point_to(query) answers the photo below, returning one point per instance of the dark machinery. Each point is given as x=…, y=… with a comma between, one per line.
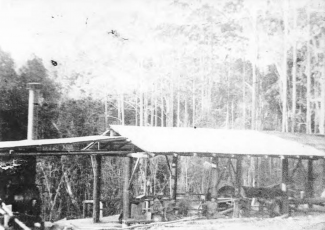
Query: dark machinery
x=18, y=189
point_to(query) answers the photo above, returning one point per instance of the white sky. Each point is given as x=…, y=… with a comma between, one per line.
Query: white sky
x=54, y=29
x=74, y=33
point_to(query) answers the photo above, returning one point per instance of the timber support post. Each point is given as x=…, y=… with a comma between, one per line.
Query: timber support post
x=126, y=195
x=310, y=181
x=238, y=175
x=284, y=185
x=236, y=213
x=214, y=177
x=323, y=176
x=174, y=176
x=97, y=167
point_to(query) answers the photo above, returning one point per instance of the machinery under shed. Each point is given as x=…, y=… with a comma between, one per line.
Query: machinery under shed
x=134, y=142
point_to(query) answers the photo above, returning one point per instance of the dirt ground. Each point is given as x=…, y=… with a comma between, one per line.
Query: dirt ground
x=299, y=221
x=312, y=221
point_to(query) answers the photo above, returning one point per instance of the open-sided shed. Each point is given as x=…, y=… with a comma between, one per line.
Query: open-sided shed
x=225, y=143
x=136, y=142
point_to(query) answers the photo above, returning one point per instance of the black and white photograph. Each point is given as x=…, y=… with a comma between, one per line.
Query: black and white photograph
x=162, y=114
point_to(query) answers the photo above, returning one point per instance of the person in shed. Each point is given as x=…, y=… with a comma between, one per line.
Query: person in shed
x=171, y=211
x=210, y=208
x=157, y=210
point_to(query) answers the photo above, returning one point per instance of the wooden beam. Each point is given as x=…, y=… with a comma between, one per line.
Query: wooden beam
x=61, y=153
x=238, y=175
x=174, y=176
x=94, y=142
x=234, y=156
x=309, y=201
x=139, y=155
x=168, y=165
x=133, y=172
x=126, y=198
x=323, y=176
x=97, y=165
x=310, y=181
x=146, y=169
x=285, y=181
x=215, y=177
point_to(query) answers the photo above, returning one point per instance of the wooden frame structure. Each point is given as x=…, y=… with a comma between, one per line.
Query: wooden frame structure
x=132, y=142
x=292, y=149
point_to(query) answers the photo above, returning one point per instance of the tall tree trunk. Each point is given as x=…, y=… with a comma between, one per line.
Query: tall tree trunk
x=232, y=114
x=141, y=118
x=106, y=112
x=162, y=109
x=202, y=87
x=156, y=107
x=308, y=72
x=145, y=109
x=171, y=106
x=284, y=69
x=185, y=113
x=227, y=116
x=193, y=102
x=68, y=184
x=254, y=60
x=253, y=124
x=178, y=108
x=228, y=95
x=322, y=112
x=122, y=109
x=136, y=109
x=294, y=76
x=244, y=95
x=118, y=100
x=152, y=110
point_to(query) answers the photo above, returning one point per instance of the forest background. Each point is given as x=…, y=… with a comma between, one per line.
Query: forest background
x=233, y=64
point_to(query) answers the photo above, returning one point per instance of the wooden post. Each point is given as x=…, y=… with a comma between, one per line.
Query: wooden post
x=215, y=177
x=310, y=179
x=146, y=172
x=84, y=210
x=97, y=167
x=174, y=176
x=126, y=198
x=285, y=178
x=236, y=213
x=130, y=182
x=238, y=175
x=323, y=176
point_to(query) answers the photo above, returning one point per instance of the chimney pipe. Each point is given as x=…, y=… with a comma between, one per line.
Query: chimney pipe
x=33, y=100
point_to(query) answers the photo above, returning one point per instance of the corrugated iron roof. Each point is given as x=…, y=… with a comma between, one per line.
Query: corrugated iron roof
x=218, y=141
x=47, y=142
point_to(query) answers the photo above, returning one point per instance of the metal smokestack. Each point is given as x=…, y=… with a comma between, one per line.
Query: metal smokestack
x=33, y=100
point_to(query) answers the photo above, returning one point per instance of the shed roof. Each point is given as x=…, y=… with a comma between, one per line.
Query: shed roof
x=163, y=140
x=48, y=142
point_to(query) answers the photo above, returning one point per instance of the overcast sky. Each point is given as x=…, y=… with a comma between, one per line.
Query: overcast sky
x=54, y=29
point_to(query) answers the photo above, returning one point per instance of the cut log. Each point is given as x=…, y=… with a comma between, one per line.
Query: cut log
x=262, y=192
x=226, y=211
x=320, y=201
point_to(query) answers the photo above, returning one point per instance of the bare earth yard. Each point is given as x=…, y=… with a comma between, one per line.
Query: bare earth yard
x=306, y=222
